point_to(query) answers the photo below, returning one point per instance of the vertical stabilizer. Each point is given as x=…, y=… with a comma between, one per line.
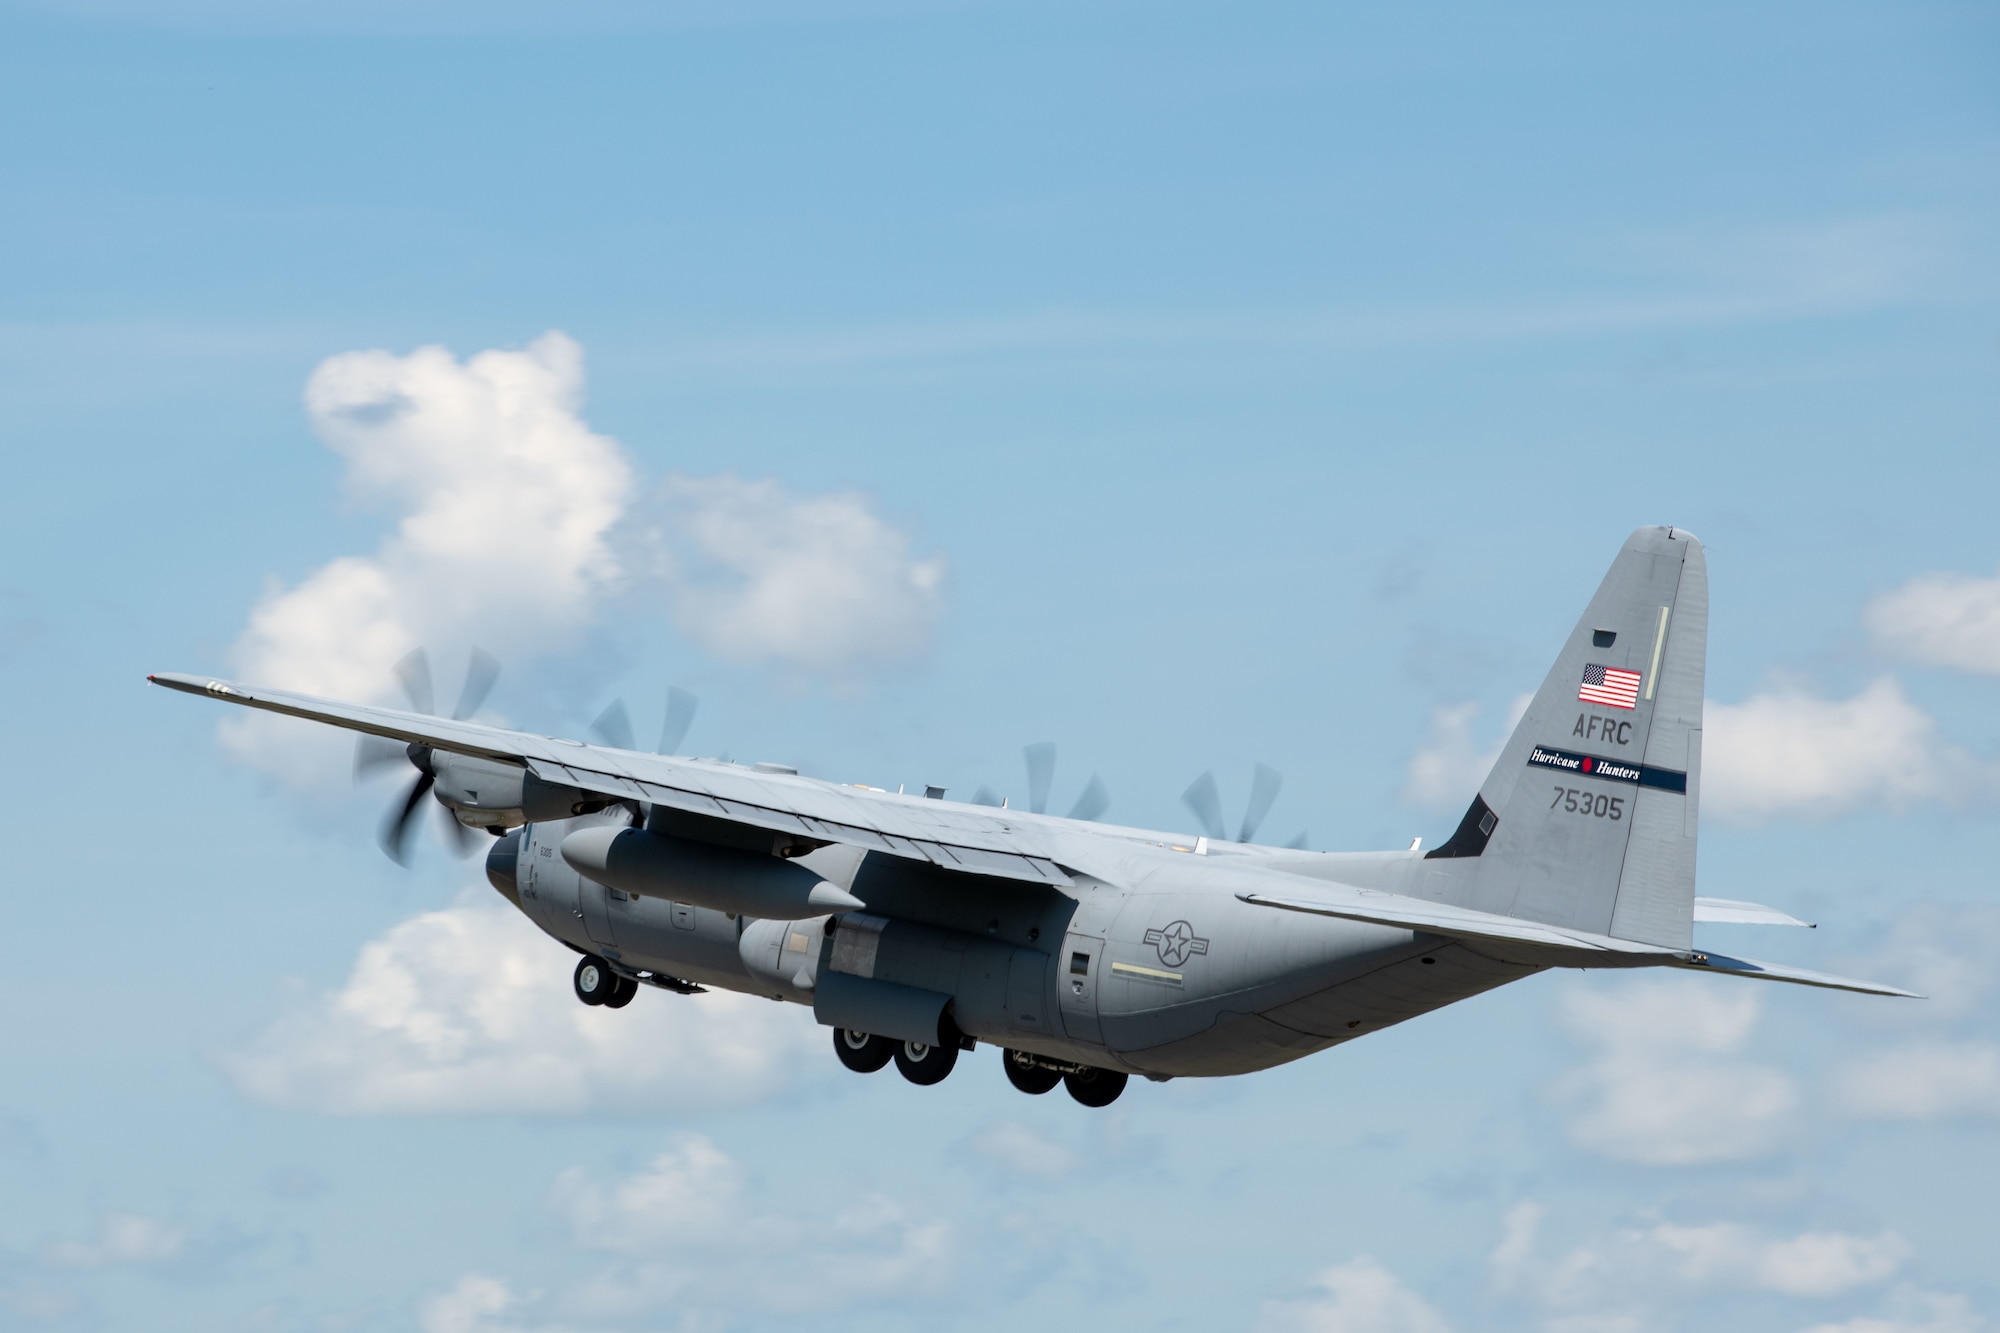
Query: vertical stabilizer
x=1588, y=818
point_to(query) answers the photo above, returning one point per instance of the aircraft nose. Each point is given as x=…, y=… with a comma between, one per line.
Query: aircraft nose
x=503, y=865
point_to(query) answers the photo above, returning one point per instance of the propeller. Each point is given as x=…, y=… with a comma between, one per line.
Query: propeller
x=681, y=707
x=1041, y=757
x=613, y=726
x=1205, y=800
x=373, y=753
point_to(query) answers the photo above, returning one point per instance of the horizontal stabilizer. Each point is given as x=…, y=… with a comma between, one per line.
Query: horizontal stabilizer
x=1395, y=909
x=1728, y=911
x=1799, y=976
x=1462, y=923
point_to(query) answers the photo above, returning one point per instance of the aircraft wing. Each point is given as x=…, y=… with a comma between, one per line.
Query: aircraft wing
x=1421, y=914
x=969, y=838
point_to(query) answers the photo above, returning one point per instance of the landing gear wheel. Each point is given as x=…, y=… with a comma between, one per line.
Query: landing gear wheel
x=1026, y=1075
x=595, y=981
x=622, y=991
x=863, y=1052
x=924, y=1064
x=1095, y=1087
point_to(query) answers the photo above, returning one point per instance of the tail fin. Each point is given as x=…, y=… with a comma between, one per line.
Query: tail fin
x=1588, y=818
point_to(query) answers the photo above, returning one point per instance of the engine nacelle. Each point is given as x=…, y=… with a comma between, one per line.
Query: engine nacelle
x=727, y=879
x=488, y=793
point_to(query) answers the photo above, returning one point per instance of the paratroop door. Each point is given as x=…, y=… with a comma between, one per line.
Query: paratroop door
x=1077, y=967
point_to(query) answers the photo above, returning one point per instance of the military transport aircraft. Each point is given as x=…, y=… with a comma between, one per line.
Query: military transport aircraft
x=915, y=926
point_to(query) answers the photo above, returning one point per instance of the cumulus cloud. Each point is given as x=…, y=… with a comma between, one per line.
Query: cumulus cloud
x=468, y=1010
x=1359, y=1296
x=1930, y=1081
x=1449, y=766
x=1945, y=619
x=472, y=1305
x=516, y=525
x=1620, y=1276
x=1665, y=1088
x=759, y=573
x=688, y=1237
x=506, y=498
x=1788, y=752
x=129, y=1239
x=1817, y=1263
x=1020, y=1149
x=1913, y=1311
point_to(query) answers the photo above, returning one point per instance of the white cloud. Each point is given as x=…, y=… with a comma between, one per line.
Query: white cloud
x=1817, y=1263
x=1359, y=1296
x=469, y=1010
x=468, y=1306
x=1913, y=1311
x=1448, y=768
x=1018, y=1148
x=1930, y=1081
x=758, y=573
x=126, y=1239
x=515, y=526
x=688, y=1238
x=1623, y=1277
x=1661, y=1090
x=1788, y=752
x=506, y=498
x=1945, y=619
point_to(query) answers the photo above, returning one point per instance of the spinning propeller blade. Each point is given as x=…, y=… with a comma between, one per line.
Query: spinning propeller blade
x=415, y=673
x=681, y=708
x=614, y=726
x=1264, y=785
x=480, y=673
x=986, y=796
x=372, y=753
x=395, y=835
x=1096, y=799
x=1041, y=759
x=1206, y=802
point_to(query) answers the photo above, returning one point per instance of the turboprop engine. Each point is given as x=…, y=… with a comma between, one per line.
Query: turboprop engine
x=682, y=870
x=485, y=792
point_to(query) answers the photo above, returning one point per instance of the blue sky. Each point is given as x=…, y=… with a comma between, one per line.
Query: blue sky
x=1192, y=385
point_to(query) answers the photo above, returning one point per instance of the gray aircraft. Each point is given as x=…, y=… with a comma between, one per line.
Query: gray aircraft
x=915, y=926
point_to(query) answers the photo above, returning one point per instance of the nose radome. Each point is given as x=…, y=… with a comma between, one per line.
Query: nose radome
x=503, y=864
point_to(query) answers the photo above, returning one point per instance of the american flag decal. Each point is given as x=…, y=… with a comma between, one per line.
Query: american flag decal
x=1609, y=685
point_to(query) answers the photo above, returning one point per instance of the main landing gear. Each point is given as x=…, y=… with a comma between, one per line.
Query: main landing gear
x=1034, y=1075
x=596, y=983
x=919, y=1062
x=925, y=1064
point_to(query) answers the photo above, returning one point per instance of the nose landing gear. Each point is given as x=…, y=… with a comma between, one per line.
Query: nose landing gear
x=596, y=983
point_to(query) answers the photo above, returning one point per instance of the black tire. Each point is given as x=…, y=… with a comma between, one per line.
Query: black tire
x=594, y=979
x=1028, y=1076
x=924, y=1064
x=863, y=1052
x=622, y=991
x=1095, y=1087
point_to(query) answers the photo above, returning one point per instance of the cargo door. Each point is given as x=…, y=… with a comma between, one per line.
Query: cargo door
x=1077, y=969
